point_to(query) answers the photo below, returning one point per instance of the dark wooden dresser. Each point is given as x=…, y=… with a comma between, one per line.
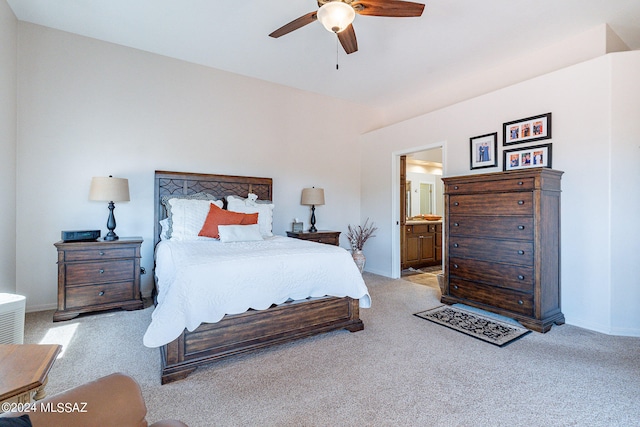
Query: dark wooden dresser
x=320, y=236
x=502, y=244
x=98, y=275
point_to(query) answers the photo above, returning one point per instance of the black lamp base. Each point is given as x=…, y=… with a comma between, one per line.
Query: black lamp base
x=110, y=236
x=111, y=225
x=313, y=228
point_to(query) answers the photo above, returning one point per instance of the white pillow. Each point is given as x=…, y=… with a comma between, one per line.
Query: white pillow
x=265, y=212
x=239, y=233
x=165, y=201
x=188, y=216
x=164, y=227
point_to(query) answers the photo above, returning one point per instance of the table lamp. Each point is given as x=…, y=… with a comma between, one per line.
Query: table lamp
x=109, y=189
x=312, y=196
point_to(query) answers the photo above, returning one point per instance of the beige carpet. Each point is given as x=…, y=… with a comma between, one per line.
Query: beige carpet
x=399, y=371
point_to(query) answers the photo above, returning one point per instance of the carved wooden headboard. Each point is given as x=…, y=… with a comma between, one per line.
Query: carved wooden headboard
x=181, y=183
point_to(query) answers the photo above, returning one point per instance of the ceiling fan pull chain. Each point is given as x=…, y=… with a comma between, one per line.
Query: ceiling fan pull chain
x=337, y=52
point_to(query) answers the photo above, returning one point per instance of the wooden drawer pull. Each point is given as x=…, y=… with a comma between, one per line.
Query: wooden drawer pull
x=521, y=277
x=521, y=227
x=455, y=286
x=455, y=187
x=520, y=183
x=455, y=224
x=455, y=245
x=521, y=202
x=455, y=265
x=520, y=252
x=456, y=204
x=520, y=302
x=101, y=293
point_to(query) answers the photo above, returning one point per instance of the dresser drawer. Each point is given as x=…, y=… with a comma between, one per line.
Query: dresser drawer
x=499, y=227
x=81, y=296
x=495, y=204
x=517, y=277
x=507, y=251
x=515, y=184
x=517, y=302
x=418, y=228
x=423, y=228
x=100, y=272
x=98, y=253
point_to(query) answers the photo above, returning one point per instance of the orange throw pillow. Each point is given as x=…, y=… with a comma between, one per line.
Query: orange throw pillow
x=217, y=216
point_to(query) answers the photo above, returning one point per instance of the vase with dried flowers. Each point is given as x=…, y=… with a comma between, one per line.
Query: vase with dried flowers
x=358, y=236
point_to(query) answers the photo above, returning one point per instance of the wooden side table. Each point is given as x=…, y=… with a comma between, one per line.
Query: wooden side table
x=320, y=236
x=24, y=369
x=98, y=275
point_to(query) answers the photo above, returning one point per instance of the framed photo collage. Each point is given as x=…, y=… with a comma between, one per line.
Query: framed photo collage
x=518, y=133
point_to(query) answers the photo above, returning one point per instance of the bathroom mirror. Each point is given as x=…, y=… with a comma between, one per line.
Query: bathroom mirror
x=420, y=199
x=424, y=191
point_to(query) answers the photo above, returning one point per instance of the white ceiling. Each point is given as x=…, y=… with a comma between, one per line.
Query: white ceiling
x=396, y=57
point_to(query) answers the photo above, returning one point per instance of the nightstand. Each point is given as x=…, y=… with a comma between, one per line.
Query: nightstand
x=98, y=275
x=321, y=236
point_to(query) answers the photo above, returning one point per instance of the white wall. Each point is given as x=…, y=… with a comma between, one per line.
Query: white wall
x=625, y=194
x=88, y=108
x=588, y=145
x=8, y=87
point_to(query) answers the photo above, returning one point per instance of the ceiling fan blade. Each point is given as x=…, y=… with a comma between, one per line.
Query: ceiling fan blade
x=295, y=24
x=393, y=8
x=348, y=39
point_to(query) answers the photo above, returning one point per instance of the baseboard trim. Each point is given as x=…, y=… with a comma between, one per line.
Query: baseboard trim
x=41, y=307
x=603, y=329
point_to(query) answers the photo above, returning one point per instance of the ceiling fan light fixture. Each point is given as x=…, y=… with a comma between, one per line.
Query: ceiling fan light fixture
x=336, y=16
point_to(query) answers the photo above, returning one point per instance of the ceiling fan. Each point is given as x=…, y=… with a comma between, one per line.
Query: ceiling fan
x=337, y=16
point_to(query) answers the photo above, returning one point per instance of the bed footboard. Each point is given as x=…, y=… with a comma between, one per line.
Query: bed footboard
x=256, y=329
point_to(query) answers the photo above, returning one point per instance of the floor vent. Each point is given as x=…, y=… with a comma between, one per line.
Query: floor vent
x=12, y=308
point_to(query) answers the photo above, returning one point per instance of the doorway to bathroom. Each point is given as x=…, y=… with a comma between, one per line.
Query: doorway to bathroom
x=421, y=211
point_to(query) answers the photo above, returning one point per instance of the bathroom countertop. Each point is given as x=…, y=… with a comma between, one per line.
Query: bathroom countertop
x=422, y=221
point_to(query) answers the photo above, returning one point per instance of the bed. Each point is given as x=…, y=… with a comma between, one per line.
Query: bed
x=252, y=329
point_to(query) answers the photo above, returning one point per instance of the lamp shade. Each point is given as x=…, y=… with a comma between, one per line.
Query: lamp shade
x=312, y=196
x=336, y=16
x=109, y=189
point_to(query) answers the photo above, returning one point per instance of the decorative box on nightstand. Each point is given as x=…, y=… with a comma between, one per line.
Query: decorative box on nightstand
x=321, y=236
x=98, y=275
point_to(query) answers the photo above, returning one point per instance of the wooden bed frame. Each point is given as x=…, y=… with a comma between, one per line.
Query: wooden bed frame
x=254, y=329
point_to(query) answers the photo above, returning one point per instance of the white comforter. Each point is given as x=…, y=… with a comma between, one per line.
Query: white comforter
x=201, y=281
